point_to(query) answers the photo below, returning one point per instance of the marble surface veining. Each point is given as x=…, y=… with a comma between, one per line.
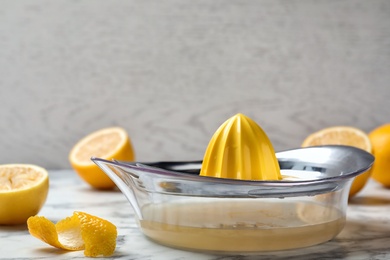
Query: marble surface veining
x=365, y=236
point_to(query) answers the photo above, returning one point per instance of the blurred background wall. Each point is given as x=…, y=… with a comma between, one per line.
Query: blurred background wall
x=170, y=72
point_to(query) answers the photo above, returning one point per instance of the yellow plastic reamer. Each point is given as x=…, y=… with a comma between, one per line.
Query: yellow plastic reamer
x=240, y=149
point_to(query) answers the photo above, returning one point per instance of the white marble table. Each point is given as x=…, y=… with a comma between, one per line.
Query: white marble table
x=365, y=236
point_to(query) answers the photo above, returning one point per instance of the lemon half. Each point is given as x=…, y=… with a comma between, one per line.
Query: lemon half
x=23, y=191
x=108, y=143
x=343, y=135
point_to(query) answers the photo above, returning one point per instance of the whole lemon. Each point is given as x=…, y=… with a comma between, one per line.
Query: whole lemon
x=380, y=140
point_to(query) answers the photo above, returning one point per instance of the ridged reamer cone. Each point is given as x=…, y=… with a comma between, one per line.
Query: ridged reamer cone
x=240, y=149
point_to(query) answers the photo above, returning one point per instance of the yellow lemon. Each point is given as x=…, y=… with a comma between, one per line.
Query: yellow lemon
x=380, y=139
x=81, y=231
x=23, y=191
x=108, y=143
x=343, y=135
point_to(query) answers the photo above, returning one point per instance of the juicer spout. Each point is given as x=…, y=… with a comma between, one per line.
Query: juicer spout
x=124, y=180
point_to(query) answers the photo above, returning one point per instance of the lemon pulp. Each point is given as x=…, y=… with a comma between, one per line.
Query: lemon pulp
x=240, y=149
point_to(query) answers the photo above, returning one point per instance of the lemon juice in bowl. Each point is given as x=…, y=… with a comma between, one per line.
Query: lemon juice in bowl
x=241, y=226
x=242, y=197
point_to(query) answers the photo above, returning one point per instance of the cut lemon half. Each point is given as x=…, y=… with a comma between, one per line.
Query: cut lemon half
x=23, y=192
x=343, y=135
x=108, y=143
x=81, y=231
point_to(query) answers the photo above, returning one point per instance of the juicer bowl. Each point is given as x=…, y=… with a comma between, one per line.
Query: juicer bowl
x=176, y=207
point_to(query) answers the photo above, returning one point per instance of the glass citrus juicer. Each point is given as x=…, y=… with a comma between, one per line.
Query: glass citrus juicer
x=243, y=197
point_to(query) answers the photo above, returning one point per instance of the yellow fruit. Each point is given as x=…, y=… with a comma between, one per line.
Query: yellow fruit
x=23, y=191
x=81, y=231
x=380, y=140
x=343, y=135
x=108, y=143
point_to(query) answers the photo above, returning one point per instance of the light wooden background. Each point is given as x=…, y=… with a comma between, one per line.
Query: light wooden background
x=171, y=72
